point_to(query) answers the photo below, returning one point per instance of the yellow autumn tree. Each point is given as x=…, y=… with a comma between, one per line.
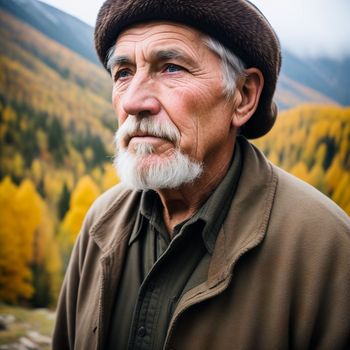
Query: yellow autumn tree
x=52, y=187
x=13, y=273
x=20, y=215
x=85, y=192
x=313, y=143
x=18, y=165
x=300, y=170
x=36, y=171
x=109, y=178
x=342, y=193
x=46, y=263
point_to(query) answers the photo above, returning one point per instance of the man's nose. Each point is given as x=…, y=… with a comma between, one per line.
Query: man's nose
x=140, y=98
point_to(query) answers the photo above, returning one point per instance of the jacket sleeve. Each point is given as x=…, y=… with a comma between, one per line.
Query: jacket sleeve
x=64, y=329
x=332, y=321
x=75, y=320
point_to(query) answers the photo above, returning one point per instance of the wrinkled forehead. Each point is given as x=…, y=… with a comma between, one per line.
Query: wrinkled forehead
x=161, y=39
x=166, y=29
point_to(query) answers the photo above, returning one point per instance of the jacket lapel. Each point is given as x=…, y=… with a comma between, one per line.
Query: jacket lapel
x=111, y=233
x=244, y=228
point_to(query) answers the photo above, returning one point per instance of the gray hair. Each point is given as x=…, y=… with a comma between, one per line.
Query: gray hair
x=232, y=66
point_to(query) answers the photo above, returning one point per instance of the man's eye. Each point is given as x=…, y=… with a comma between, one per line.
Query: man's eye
x=172, y=68
x=122, y=74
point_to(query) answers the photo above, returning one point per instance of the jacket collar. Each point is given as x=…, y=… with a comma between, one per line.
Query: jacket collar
x=244, y=227
x=246, y=223
x=117, y=220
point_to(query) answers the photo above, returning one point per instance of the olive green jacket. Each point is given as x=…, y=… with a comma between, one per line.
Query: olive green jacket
x=279, y=277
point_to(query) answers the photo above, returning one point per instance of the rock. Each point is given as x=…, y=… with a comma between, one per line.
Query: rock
x=3, y=325
x=29, y=345
x=19, y=347
x=51, y=315
x=39, y=338
x=13, y=346
x=10, y=319
x=5, y=320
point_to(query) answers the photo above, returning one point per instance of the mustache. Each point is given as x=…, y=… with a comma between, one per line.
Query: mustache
x=149, y=126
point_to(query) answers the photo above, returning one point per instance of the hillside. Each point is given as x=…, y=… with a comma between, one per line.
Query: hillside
x=337, y=73
x=56, y=124
x=313, y=143
x=329, y=77
x=44, y=87
x=56, y=143
x=301, y=81
x=291, y=93
x=55, y=24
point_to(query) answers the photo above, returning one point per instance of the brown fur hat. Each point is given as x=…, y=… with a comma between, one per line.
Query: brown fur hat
x=237, y=24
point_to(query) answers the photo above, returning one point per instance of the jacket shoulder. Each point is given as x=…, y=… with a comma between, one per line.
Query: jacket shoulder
x=109, y=203
x=297, y=201
x=107, y=199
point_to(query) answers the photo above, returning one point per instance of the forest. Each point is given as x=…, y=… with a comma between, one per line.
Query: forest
x=44, y=194
x=48, y=181
x=56, y=143
x=312, y=142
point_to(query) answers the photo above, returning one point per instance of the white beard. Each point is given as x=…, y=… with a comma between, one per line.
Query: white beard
x=138, y=172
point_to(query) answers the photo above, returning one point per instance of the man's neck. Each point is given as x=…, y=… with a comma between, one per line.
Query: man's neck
x=182, y=203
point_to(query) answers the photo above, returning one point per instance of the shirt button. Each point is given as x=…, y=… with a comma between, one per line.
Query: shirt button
x=141, y=332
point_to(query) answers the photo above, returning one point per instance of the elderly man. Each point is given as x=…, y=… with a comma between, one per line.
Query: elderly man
x=204, y=244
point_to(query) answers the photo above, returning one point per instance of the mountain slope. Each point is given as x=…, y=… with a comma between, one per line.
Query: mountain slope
x=59, y=75
x=290, y=93
x=56, y=141
x=57, y=25
x=313, y=143
x=301, y=81
x=54, y=105
x=329, y=77
x=337, y=74
x=56, y=126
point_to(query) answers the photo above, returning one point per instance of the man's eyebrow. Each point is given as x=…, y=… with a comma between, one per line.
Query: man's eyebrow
x=116, y=60
x=171, y=54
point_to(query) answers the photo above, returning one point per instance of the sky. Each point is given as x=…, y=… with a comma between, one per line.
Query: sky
x=306, y=27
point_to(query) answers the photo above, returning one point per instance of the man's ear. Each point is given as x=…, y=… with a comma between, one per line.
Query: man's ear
x=248, y=94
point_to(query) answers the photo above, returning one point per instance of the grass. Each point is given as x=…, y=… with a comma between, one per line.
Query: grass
x=38, y=320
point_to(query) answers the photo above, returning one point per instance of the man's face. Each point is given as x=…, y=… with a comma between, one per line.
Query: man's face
x=165, y=73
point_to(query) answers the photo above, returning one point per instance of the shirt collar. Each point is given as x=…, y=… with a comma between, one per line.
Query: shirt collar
x=148, y=211
x=215, y=209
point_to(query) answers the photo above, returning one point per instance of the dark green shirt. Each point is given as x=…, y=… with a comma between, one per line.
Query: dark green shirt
x=158, y=271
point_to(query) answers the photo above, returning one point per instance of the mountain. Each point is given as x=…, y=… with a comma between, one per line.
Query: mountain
x=328, y=76
x=301, y=81
x=56, y=139
x=54, y=107
x=55, y=24
x=337, y=74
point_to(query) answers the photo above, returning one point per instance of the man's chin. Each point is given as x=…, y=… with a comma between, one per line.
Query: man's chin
x=150, y=160
x=147, y=157
x=154, y=171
